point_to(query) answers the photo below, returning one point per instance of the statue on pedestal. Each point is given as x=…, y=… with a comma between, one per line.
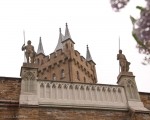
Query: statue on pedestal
x=124, y=64
x=29, y=52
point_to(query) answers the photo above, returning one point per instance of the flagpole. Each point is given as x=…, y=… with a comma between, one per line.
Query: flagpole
x=119, y=49
x=24, y=44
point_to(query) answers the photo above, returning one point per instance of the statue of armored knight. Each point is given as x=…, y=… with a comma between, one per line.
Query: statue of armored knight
x=124, y=64
x=29, y=52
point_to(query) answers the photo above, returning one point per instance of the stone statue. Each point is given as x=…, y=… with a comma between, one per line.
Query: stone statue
x=29, y=52
x=124, y=64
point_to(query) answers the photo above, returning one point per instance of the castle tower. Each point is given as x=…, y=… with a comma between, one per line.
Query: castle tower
x=66, y=63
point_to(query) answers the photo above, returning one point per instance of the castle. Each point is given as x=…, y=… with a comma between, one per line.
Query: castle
x=63, y=86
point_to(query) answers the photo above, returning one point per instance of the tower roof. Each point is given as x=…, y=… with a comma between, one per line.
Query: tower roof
x=67, y=33
x=40, y=47
x=61, y=38
x=88, y=55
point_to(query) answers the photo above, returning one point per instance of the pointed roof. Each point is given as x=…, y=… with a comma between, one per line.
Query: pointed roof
x=67, y=33
x=61, y=38
x=40, y=47
x=88, y=55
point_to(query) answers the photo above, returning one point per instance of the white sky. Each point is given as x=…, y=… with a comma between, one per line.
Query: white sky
x=90, y=22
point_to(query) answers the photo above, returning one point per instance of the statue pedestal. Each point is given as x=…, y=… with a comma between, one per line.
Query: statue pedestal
x=28, y=94
x=127, y=79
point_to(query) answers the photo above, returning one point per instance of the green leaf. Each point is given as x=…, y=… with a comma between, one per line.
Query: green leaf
x=138, y=41
x=140, y=8
x=133, y=20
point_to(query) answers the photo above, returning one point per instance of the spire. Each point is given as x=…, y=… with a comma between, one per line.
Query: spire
x=88, y=55
x=40, y=47
x=67, y=33
x=61, y=38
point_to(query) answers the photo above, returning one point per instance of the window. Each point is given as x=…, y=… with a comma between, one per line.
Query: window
x=84, y=80
x=54, y=76
x=62, y=73
x=78, y=77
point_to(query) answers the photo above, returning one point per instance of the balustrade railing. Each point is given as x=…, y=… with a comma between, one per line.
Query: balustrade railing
x=76, y=94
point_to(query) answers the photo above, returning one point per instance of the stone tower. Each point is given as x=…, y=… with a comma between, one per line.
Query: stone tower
x=65, y=63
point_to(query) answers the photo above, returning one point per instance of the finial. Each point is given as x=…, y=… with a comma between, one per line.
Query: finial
x=67, y=33
x=66, y=25
x=59, y=44
x=40, y=46
x=88, y=55
x=60, y=30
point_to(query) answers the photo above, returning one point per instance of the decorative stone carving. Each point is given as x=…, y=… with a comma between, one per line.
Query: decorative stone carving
x=81, y=95
x=28, y=95
x=29, y=80
x=127, y=80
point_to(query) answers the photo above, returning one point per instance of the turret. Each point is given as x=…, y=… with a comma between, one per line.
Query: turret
x=68, y=43
x=40, y=47
x=59, y=44
x=90, y=60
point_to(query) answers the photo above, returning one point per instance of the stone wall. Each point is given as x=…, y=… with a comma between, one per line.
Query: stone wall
x=49, y=113
x=81, y=114
x=11, y=110
x=145, y=98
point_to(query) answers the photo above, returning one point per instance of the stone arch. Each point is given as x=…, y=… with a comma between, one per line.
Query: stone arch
x=42, y=90
x=48, y=90
x=60, y=91
x=114, y=94
x=104, y=90
x=131, y=89
x=120, y=95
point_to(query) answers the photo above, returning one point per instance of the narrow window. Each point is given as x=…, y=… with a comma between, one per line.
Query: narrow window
x=84, y=80
x=54, y=76
x=62, y=73
x=78, y=77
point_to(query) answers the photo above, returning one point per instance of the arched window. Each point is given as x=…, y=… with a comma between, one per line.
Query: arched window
x=62, y=73
x=38, y=61
x=84, y=80
x=78, y=77
x=67, y=46
x=54, y=76
x=132, y=90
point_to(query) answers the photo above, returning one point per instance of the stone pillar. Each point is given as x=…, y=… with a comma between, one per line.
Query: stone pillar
x=127, y=79
x=28, y=94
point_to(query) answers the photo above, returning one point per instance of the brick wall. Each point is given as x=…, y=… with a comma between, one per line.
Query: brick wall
x=10, y=88
x=10, y=109
x=145, y=98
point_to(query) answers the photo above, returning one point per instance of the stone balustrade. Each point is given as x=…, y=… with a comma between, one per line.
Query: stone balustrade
x=63, y=94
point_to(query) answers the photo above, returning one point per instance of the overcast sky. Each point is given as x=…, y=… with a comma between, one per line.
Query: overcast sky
x=90, y=22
